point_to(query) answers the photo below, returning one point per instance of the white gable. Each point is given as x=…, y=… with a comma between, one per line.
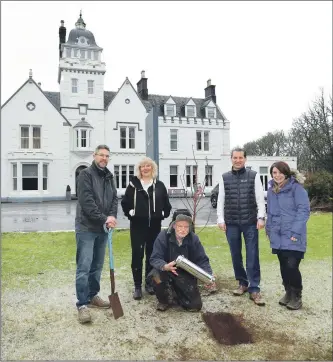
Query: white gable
x=211, y=104
x=170, y=101
x=190, y=102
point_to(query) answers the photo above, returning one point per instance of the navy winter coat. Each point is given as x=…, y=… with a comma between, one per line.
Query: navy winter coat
x=287, y=214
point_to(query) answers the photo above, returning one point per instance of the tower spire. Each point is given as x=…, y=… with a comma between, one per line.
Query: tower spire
x=80, y=24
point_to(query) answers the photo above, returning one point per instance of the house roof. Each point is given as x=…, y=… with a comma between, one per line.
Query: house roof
x=83, y=123
x=153, y=100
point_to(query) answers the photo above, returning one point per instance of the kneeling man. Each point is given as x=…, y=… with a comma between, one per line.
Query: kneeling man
x=172, y=284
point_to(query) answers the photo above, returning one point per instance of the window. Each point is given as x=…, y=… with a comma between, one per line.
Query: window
x=83, y=137
x=122, y=137
x=25, y=137
x=74, y=85
x=190, y=111
x=76, y=53
x=90, y=87
x=116, y=173
x=206, y=141
x=209, y=175
x=95, y=55
x=30, y=136
x=210, y=112
x=89, y=54
x=14, y=174
x=263, y=171
x=203, y=137
x=36, y=137
x=131, y=137
x=29, y=177
x=173, y=176
x=82, y=54
x=83, y=109
x=173, y=139
x=124, y=134
x=191, y=175
x=131, y=171
x=123, y=176
x=68, y=52
x=45, y=169
x=170, y=110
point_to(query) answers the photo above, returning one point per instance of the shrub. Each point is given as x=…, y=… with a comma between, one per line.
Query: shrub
x=319, y=186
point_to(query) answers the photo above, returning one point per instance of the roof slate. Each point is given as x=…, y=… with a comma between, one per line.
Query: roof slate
x=153, y=100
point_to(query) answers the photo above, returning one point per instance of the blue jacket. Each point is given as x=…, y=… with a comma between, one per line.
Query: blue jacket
x=287, y=214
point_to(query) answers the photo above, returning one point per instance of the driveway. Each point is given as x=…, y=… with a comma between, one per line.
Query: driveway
x=60, y=215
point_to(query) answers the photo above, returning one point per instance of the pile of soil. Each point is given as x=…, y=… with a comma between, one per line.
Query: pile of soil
x=227, y=328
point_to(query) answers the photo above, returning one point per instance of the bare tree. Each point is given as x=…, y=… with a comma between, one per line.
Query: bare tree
x=197, y=193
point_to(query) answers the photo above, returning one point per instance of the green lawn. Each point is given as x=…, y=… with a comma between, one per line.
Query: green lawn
x=26, y=255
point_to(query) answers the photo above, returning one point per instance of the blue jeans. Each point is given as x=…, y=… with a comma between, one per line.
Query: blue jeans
x=250, y=277
x=90, y=253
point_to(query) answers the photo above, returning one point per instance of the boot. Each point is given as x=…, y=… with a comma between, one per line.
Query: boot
x=137, y=294
x=287, y=297
x=295, y=300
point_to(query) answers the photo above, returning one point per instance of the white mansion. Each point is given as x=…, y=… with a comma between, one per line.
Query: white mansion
x=48, y=137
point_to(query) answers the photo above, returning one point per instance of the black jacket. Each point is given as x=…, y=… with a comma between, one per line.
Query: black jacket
x=97, y=199
x=148, y=205
x=166, y=249
x=240, y=205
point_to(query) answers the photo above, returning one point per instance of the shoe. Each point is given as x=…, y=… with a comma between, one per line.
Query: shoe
x=295, y=300
x=286, y=298
x=149, y=289
x=211, y=288
x=256, y=297
x=137, y=294
x=162, y=307
x=240, y=290
x=98, y=302
x=84, y=314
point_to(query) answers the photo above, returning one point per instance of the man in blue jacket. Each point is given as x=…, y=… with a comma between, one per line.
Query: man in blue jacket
x=97, y=206
x=169, y=281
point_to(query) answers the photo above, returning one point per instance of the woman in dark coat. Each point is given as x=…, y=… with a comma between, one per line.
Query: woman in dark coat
x=146, y=204
x=288, y=210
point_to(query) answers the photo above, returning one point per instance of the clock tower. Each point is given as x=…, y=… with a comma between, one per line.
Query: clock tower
x=81, y=72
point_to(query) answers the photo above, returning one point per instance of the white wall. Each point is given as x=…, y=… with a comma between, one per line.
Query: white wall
x=54, y=144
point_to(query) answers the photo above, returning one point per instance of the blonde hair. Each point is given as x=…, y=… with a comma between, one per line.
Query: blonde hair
x=144, y=161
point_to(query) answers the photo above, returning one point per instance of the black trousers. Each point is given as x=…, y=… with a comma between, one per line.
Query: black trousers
x=184, y=287
x=142, y=240
x=289, y=267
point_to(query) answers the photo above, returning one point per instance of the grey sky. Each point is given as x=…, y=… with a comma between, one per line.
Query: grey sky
x=267, y=59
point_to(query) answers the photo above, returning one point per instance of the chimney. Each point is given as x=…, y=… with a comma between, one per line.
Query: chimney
x=62, y=36
x=210, y=91
x=142, y=86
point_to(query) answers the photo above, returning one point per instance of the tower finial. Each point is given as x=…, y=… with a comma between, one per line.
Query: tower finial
x=30, y=73
x=80, y=24
x=81, y=13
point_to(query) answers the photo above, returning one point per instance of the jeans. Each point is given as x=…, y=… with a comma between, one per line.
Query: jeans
x=250, y=277
x=289, y=267
x=90, y=253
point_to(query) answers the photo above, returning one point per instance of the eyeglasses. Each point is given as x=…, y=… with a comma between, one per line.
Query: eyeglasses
x=182, y=227
x=102, y=155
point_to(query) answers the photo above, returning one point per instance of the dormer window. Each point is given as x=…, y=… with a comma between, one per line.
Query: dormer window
x=190, y=111
x=169, y=110
x=210, y=112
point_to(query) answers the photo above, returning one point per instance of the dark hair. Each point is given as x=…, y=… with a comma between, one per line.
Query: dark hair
x=102, y=147
x=283, y=167
x=238, y=149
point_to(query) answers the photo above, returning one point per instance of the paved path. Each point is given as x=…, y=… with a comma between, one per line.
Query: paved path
x=60, y=215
